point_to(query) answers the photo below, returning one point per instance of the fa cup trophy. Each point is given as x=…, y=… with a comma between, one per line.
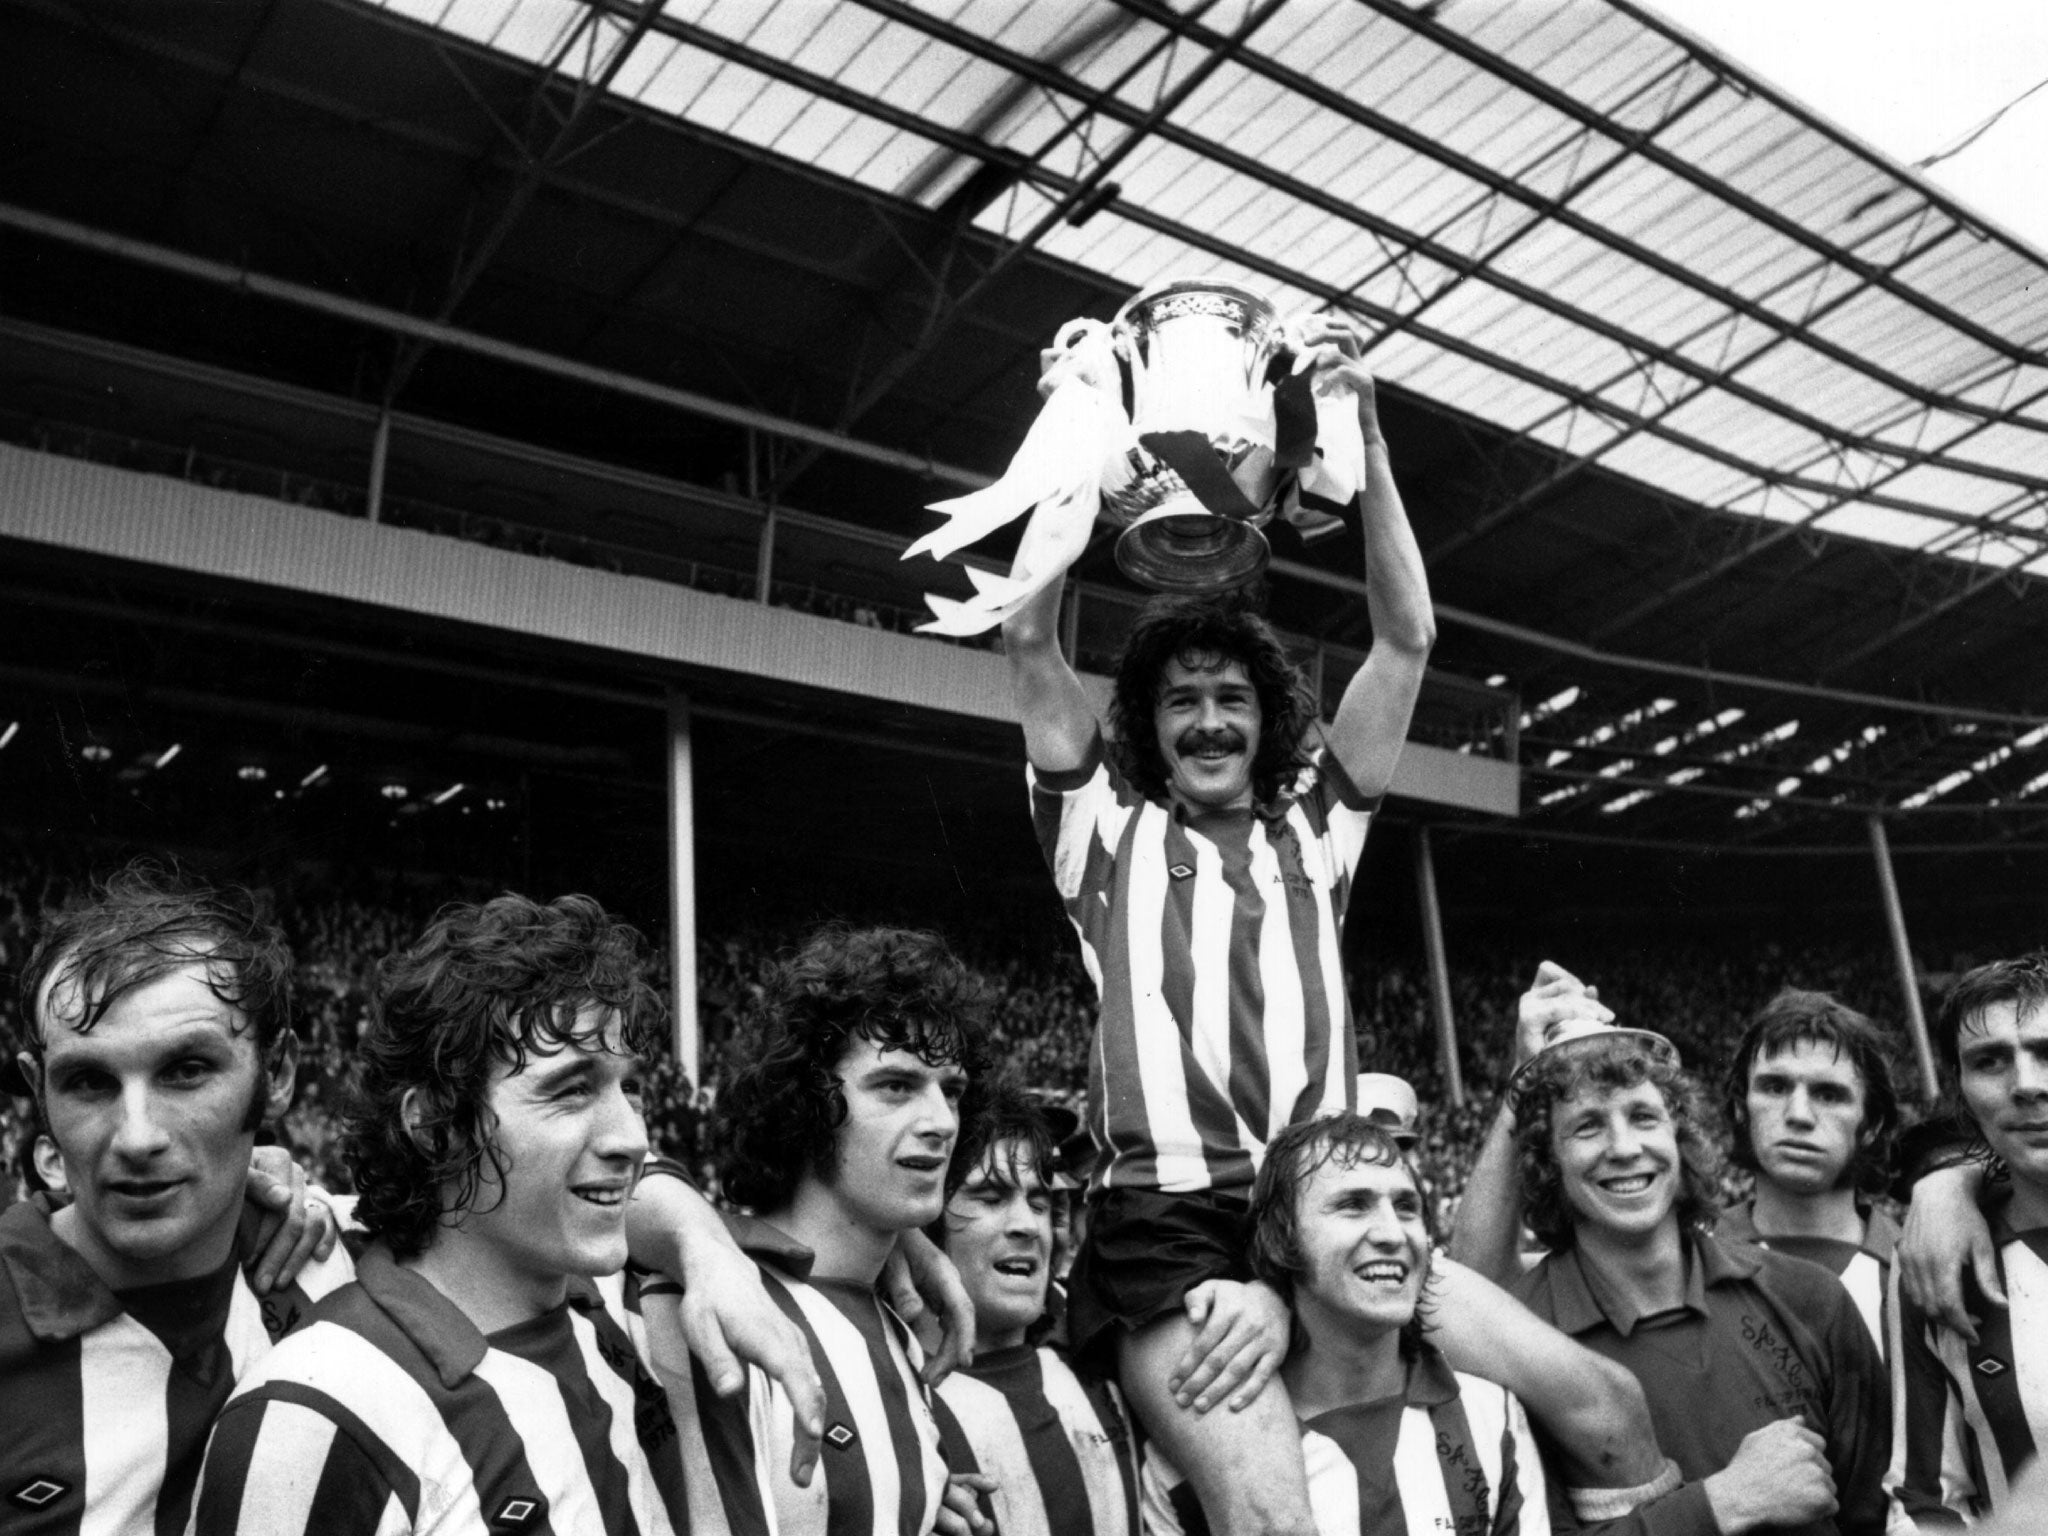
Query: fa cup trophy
x=1188, y=422
x=1202, y=476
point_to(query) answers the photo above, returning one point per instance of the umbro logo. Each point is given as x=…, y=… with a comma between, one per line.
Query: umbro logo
x=518, y=1512
x=39, y=1493
x=840, y=1435
x=1180, y=871
x=1991, y=1367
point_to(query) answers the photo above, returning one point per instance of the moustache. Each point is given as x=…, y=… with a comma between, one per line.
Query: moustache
x=1196, y=740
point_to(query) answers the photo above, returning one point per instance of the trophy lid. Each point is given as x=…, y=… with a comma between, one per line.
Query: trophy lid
x=1175, y=296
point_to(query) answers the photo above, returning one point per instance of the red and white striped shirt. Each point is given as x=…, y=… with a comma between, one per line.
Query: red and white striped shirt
x=389, y=1413
x=1451, y=1453
x=106, y=1398
x=1212, y=939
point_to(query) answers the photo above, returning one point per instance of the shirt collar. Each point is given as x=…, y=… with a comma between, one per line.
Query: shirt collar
x=1430, y=1383
x=760, y=1240
x=1580, y=1302
x=438, y=1328
x=1880, y=1233
x=61, y=1295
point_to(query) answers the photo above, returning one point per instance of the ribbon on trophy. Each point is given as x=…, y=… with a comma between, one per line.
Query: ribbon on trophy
x=1079, y=438
x=1233, y=454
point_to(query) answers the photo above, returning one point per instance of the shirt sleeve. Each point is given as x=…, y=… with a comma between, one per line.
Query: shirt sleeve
x=1343, y=814
x=1079, y=817
x=279, y=1466
x=1928, y=1476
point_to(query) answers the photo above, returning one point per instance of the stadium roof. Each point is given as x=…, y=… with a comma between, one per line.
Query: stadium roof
x=1690, y=392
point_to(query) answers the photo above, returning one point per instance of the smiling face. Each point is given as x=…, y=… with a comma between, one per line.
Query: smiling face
x=1208, y=721
x=1806, y=1107
x=1618, y=1160
x=2002, y=1073
x=569, y=1135
x=1364, y=1245
x=999, y=1236
x=888, y=1169
x=153, y=1112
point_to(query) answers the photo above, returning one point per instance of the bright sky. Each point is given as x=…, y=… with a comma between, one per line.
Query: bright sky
x=1910, y=77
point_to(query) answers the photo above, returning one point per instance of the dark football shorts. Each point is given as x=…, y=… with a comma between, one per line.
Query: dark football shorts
x=1143, y=1253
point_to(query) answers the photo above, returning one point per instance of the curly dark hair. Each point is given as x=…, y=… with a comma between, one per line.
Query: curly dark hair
x=1292, y=1159
x=145, y=921
x=1008, y=1114
x=486, y=986
x=782, y=1105
x=1797, y=1017
x=2022, y=981
x=1206, y=632
x=1609, y=1066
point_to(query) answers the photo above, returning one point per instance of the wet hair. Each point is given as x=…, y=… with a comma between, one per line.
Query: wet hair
x=782, y=1106
x=1204, y=632
x=1009, y=1116
x=2023, y=982
x=486, y=987
x=1608, y=1066
x=139, y=925
x=1293, y=1158
x=1794, y=1018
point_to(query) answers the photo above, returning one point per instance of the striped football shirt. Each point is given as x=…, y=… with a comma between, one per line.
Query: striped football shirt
x=388, y=1412
x=1970, y=1416
x=1451, y=1454
x=1058, y=1445
x=880, y=1468
x=1212, y=939
x=106, y=1397
x=1864, y=1268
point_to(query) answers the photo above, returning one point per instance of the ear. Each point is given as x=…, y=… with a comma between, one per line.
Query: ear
x=412, y=1114
x=50, y=1166
x=280, y=1075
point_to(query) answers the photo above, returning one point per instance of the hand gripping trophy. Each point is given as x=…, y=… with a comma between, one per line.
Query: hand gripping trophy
x=1224, y=428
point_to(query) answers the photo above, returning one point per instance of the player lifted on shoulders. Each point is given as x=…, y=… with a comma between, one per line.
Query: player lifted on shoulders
x=1205, y=857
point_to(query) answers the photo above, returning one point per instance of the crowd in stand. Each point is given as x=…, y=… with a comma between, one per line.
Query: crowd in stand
x=1696, y=993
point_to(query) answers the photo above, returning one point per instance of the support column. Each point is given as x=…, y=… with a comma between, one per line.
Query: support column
x=764, y=558
x=380, y=449
x=1902, y=956
x=682, y=886
x=1439, y=969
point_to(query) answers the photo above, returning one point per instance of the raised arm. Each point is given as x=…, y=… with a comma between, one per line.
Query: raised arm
x=1372, y=719
x=1059, y=722
x=1488, y=1235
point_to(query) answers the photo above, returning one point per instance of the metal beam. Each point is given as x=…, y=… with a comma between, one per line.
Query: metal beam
x=1461, y=264
x=1485, y=175
x=1424, y=23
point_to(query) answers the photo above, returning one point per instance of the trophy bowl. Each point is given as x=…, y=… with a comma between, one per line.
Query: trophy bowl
x=1202, y=481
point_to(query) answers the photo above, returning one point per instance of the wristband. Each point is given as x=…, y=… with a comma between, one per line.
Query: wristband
x=1593, y=1505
